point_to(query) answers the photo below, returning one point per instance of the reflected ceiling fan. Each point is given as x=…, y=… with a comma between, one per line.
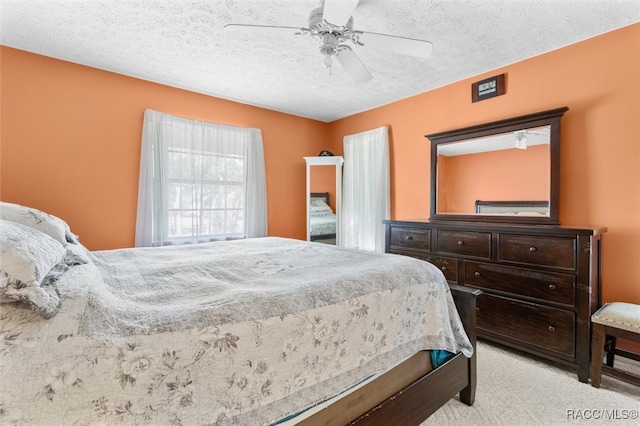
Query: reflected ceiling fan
x=332, y=25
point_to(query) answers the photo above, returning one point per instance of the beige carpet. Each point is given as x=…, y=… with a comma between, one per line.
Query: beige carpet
x=516, y=389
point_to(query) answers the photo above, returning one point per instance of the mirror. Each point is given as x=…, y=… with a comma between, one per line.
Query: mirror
x=504, y=171
x=324, y=198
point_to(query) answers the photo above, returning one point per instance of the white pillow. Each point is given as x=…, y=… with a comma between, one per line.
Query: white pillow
x=28, y=259
x=319, y=206
x=51, y=225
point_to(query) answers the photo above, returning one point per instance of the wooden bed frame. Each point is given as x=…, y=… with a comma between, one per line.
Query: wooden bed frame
x=510, y=207
x=324, y=196
x=412, y=391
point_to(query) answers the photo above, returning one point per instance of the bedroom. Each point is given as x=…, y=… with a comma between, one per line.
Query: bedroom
x=79, y=160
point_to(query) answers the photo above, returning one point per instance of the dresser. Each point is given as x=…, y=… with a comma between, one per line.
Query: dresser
x=540, y=284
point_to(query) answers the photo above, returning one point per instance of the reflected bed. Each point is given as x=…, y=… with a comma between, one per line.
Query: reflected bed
x=322, y=219
x=512, y=207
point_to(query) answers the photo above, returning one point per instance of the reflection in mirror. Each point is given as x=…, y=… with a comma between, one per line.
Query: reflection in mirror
x=322, y=219
x=467, y=174
x=322, y=216
x=324, y=192
x=503, y=171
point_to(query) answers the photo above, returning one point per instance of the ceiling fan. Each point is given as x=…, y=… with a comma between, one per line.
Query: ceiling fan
x=332, y=24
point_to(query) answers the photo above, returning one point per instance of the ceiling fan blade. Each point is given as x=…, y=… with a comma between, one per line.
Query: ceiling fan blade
x=353, y=65
x=338, y=12
x=263, y=29
x=404, y=45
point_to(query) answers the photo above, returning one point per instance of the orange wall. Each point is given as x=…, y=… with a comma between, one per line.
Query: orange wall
x=323, y=179
x=522, y=175
x=599, y=80
x=71, y=140
x=71, y=145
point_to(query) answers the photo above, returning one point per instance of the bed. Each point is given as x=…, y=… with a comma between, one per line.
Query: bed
x=322, y=219
x=524, y=207
x=258, y=331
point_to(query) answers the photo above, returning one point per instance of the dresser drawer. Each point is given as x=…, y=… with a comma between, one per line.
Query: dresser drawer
x=476, y=244
x=547, y=328
x=414, y=238
x=448, y=266
x=545, y=286
x=555, y=252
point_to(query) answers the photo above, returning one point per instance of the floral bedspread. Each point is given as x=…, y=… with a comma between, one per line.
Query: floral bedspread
x=240, y=332
x=323, y=224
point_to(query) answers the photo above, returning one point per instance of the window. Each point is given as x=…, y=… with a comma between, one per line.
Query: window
x=199, y=182
x=206, y=195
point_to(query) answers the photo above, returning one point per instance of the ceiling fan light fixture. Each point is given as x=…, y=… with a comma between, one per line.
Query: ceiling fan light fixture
x=332, y=24
x=520, y=139
x=329, y=44
x=327, y=61
x=329, y=48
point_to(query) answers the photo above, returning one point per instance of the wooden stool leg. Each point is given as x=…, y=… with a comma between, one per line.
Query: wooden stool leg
x=597, y=353
x=611, y=349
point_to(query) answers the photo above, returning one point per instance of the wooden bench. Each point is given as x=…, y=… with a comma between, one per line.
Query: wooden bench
x=616, y=319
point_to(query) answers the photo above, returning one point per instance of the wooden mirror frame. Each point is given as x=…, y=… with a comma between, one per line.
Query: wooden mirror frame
x=544, y=118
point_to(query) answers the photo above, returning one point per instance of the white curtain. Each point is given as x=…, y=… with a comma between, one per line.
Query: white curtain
x=366, y=189
x=199, y=181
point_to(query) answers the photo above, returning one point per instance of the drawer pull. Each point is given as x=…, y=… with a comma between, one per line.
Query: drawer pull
x=552, y=286
x=552, y=328
x=444, y=268
x=460, y=243
x=532, y=249
x=477, y=274
x=410, y=237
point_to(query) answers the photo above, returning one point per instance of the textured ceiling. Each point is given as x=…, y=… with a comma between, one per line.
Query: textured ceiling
x=183, y=44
